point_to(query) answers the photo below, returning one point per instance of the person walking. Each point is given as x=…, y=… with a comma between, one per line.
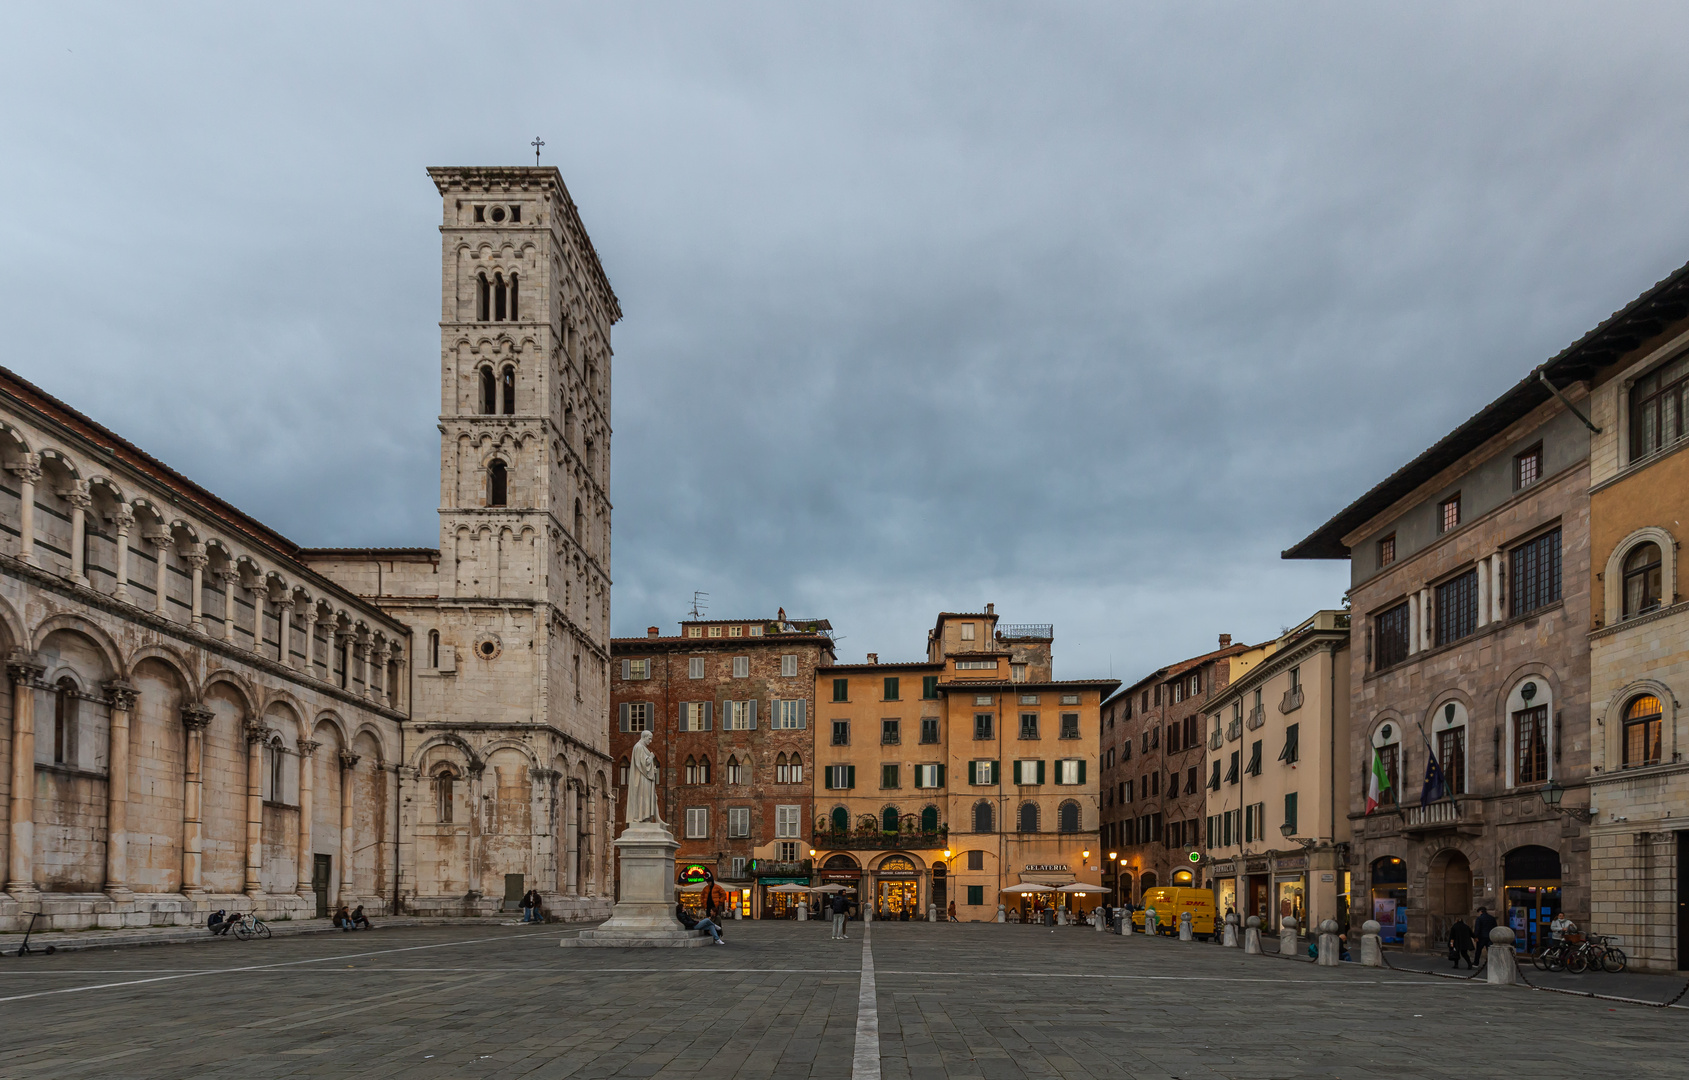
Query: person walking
x=1481, y=927
x=952, y=912
x=529, y=900
x=841, y=911
x=1460, y=943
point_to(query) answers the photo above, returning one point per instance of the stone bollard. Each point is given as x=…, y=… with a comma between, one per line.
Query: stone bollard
x=1503, y=966
x=1152, y=922
x=1125, y=923
x=1252, y=935
x=738, y=910
x=1287, y=936
x=1228, y=937
x=932, y=913
x=1097, y=918
x=1185, y=927
x=803, y=911
x=1001, y=916
x=1331, y=950
x=867, y=913
x=1372, y=946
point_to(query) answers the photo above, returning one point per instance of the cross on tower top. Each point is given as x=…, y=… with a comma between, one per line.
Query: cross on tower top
x=536, y=144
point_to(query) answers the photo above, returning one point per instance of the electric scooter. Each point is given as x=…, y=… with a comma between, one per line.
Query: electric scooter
x=24, y=949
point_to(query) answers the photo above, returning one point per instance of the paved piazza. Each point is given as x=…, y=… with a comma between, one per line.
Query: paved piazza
x=782, y=1001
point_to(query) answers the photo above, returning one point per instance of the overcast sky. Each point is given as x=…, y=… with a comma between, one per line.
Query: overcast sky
x=1087, y=310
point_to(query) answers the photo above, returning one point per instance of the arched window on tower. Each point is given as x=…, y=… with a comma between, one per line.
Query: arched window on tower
x=514, y=291
x=499, y=298
x=277, y=756
x=497, y=484
x=508, y=384
x=434, y=649
x=444, y=783
x=483, y=297
x=580, y=524
x=64, y=722
x=489, y=392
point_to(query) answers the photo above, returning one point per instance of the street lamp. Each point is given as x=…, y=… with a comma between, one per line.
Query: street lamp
x=1552, y=792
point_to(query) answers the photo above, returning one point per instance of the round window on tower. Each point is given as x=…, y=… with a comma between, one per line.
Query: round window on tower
x=488, y=647
x=498, y=213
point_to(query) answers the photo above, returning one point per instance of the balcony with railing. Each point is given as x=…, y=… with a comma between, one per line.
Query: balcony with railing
x=1234, y=730
x=1215, y=739
x=870, y=834
x=1292, y=700
x=1027, y=632
x=1257, y=717
x=1444, y=815
x=772, y=868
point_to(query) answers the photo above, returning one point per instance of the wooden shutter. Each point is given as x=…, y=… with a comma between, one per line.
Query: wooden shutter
x=1081, y=770
x=751, y=715
x=940, y=776
x=624, y=712
x=803, y=714
x=1040, y=770
x=850, y=776
x=996, y=773
x=709, y=706
x=627, y=670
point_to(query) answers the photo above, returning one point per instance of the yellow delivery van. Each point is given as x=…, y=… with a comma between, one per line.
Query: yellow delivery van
x=1169, y=902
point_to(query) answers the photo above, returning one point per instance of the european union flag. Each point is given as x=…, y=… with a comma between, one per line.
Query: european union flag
x=1432, y=790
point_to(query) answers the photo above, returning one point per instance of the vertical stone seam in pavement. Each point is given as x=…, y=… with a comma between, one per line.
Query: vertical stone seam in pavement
x=866, y=1064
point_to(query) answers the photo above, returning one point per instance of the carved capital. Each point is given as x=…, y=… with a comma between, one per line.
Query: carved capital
x=307, y=747
x=24, y=667
x=77, y=495
x=122, y=695
x=196, y=557
x=254, y=729
x=196, y=717
x=123, y=518
x=348, y=760
x=28, y=470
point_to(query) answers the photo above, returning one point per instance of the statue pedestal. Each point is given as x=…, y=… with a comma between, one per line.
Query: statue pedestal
x=644, y=917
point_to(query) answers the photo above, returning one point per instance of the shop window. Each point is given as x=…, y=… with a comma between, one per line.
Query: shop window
x=1643, y=725
x=1642, y=582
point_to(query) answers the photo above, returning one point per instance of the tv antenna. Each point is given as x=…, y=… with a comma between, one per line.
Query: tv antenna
x=699, y=601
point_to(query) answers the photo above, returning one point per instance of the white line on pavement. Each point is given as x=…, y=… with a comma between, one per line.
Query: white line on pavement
x=256, y=967
x=866, y=1064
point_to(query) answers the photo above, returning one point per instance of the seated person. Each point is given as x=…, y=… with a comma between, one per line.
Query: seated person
x=360, y=920
x=219, y=922
x=691, y=922
x=343, y=918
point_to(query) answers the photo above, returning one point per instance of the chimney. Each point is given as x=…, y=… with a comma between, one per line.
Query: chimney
x=873, y=658
x=1225, y=641
x=653, y=631
x=782, y=615
x=991, y=609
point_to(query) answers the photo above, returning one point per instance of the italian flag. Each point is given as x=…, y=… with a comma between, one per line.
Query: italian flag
x=1378, y=784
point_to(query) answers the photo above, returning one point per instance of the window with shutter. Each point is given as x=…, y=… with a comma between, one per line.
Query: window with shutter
x=695, y=668
x=786, y=821
x=697, y=823
x=741, y=667
x=623, y=711
x=841, y=689
x=890, y=775
x=1254, y=759
x=738, y=822
x=788, y=666
x=627, y=669
x=1292, y=751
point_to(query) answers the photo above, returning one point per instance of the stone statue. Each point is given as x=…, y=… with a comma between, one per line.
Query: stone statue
x=642, y=783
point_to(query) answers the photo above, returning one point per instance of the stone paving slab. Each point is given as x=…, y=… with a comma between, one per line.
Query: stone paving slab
x=77, y=940
x=781, y=1001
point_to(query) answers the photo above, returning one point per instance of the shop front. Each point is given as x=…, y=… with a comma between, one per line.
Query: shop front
x=1531, y=878
x=1257, y=891
x=897, y=889
x=846, y=873
x=781, y=905
x=1290, y=888
x=1224, y=876
x=1389, y=897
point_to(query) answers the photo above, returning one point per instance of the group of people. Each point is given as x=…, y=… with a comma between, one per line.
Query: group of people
x=711, y=920
x=352, y=920
x=533, y=907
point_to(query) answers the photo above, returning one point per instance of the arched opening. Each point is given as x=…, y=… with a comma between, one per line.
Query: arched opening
x=794, y=770
x=1067, y=817
x=1026, y=820
x=1531, y=878
x=1146, y=883
x=736, y=771
x=1643, y=728
x=929, y=819
x=1642, y=580
x=445, y=783
x=1183, y=879
x=489, y=392
x=1389, y=896
x=507, y=386
x=888, y=819
x=484, y=296
x=580, y=524
x=899, y=888
x=839, y=862
x=841, y=826
x=515, y=293
x=434, y=649
x=498, y=489
x=1448, y=893
x=779, y=769
x=277, y=755
x=984, y=819
x=64, y=722
x=498, y=297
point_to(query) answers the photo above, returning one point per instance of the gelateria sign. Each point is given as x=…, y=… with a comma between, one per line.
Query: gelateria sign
x=1045, y=868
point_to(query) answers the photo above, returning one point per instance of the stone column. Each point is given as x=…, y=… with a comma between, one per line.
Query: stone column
x=381, y=656
x=195, y=719
x=1497, y=611
x=25, y=671
x=196, y=559
x=473, y=810
x=29, y=474
x=348, y=782
x=123, y=521
x=284, y=631
x=160, y=538
x=229, y=576
x=260, y=604
x=1413, y=625
x=343, y=646
x=311, y=640
x=122, y=697
x=1483, y=592
x=1427, y=631
x=79, y=499
x=571, y=837
x=307, y=788
x=364, y=669
x=255, y=732
x=396, y=676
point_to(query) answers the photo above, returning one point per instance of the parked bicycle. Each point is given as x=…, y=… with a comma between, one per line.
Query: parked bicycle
x=250, y=926
x=1578, y=953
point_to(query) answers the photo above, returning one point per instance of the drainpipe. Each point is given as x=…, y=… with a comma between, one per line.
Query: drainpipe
x=398, y=812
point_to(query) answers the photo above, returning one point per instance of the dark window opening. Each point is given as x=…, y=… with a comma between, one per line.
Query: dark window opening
x=1027, y=821
x=489, y=392
x=929, y=729
x=984, y=820
x=64, y=722
x=1642, y=583
x=1536, y=574
x=498, y=214
x=499, y=297
x=516, y=213
x=481, y=213
x=1392, y=627
x=507, y=383
x=1530, y=745
x=484, y=298
x=515, y=292
x=497, y=484
x=1457, y=608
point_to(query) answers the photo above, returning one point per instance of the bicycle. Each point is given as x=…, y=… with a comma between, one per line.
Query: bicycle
x=1604, y=954
x=249, y=926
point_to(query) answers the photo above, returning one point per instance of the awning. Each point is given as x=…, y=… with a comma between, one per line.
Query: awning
x=1027, y=886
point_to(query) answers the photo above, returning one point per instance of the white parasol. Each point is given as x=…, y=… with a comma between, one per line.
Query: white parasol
x=833, y=888
x=700, y=886
x=1081, y=887
x=1027, y=886
x=789, y=888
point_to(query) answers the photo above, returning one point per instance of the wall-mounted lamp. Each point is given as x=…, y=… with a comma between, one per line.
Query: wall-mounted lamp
x=1552, y=792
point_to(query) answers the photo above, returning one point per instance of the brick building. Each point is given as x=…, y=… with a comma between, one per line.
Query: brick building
x=1154, y=754
x=729, y=703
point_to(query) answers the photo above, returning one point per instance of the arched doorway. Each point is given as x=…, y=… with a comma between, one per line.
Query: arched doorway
x=1449, y=893
x=897, y=891
x=1145, y=883
x=1531, y=877
x=1389, y=896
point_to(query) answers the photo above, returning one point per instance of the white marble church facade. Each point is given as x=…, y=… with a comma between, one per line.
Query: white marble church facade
x=200, y=714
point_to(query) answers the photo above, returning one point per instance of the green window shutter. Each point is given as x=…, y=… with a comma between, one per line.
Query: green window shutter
x=1081, y=770
x=941, y=776
x=624, y=711
x=996, y=773
x=929, y=687
x=841, y=689
x=1040, y=770
x=850, y=776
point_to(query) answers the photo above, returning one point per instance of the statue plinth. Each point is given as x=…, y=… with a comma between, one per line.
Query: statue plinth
x=644, y=916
